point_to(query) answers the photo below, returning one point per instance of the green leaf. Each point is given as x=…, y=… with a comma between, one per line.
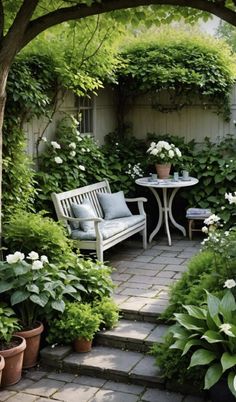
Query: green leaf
x=5, y=286
x=179, y=344
x=228, y=361
x=227, y=304
x=232, y=382
x=189, y=344
x=202, y=357
x=58, y=305
x=32, y=288
x=19, y=296
x=212, y=336
x=196, y=312
x=213, y=375
x=40, y=300
x=188, y=322
x=213, y=304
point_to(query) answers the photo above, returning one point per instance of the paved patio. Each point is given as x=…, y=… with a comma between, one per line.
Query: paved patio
x=143, y=278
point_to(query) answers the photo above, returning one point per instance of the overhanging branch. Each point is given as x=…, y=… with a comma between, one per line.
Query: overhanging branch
x=81, y=10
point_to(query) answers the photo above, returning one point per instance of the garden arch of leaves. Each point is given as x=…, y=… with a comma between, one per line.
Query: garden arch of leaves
x=22, y=20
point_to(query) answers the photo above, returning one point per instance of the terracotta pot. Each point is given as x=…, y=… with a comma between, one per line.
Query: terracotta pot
x=32, y=337
x=163, y=171
x=2, y=365
x=13, y=362
x=82, y=345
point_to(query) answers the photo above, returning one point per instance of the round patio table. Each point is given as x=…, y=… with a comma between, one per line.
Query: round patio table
x=165, y=209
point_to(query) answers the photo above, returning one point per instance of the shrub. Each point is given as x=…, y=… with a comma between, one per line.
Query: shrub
x=26, y=231
x=108, y=310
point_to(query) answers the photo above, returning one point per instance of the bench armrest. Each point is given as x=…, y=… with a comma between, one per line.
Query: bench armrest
x=140, y=201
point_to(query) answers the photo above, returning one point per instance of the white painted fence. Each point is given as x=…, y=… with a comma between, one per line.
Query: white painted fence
x=191, y=122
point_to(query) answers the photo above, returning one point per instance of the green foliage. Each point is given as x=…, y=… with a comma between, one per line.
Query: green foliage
x=173, y=366
x=108, y=310
x=8, y=324
x=209, y=334
x=95, y=277
x=35, y=289
x=27, y=231
x=78, y=321
x=186, y=65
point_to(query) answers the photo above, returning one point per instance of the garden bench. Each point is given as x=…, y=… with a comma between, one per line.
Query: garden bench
x=104, y=233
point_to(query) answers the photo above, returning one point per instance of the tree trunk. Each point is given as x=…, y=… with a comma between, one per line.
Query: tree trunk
x=4, y=70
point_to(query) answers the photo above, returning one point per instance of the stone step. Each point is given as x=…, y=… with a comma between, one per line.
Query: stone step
x=105, y=362
x=132, y=335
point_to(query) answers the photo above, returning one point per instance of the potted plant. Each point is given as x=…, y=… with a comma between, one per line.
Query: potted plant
x=78, y=324
x=11, y=347
x=163, y=155
x=34, y=289
x=209, y=334
x=108, y=310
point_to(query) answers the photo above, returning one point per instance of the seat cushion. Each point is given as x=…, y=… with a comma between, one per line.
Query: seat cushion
x=84, y=210
x=108, y=228
x=113, y=205
x=198, y=213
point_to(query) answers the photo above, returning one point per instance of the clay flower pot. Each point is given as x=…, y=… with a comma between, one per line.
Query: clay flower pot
x=32, y=337
x=163, y=171
x=2, y=365
x=82, y=345
x=13, y=362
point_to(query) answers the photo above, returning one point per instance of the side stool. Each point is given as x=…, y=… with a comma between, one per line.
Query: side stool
x=194, y=216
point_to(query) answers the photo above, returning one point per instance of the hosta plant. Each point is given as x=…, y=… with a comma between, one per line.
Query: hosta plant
x=208, y=332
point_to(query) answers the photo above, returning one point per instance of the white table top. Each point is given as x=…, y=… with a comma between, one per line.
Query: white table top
x=166, y=183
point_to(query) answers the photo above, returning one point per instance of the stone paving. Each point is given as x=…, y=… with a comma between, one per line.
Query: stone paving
x=142, y=279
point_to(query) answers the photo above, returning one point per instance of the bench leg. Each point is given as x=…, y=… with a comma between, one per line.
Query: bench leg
x=144, y=235
x=100, y=253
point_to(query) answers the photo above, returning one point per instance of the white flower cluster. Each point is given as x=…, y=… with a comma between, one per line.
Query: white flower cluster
x=212, y=220
x=231, y=197
x=134, y=171
x=33, y=256
x=226, y=328
x=163, y=151
x=229, y=284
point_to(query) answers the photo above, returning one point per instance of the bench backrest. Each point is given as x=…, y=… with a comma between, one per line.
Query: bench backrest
x=63, y=201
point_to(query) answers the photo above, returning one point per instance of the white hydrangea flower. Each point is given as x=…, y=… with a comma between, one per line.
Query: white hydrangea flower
x=226, y=328
x=212, y=220
x=72, y=153
x=72, y=145
x=231, y=198
x=230, y=283
x=58, y=160
x=81, y=167
x=83, y=150
x=37, y=265
x=44, y=258
x=33, y=255
x=55, y=145
x=171, y=153
x=178, y=152
x=13, y=258
x=205, y=229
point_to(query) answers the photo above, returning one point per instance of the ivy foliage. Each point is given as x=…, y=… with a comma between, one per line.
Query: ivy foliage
x=189, y=66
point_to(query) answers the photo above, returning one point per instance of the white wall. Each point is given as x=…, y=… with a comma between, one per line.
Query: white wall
x=191, y=122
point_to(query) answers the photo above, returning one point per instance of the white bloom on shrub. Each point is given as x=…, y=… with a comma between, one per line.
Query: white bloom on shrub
x=44, y=258
x=223, y=207
x=55, y=145
x=72, y=145
x=33, y=255
x=83, y=150
x=58, y=160
x=88, y=150
x=13, y=258
x=205, y=229
x=81, y=167
x=37, y=264
x=212, y=220
x=227, y=233
x=154, y=152
x=178, y=152
x=231, y=198
x=44, y=139
x=171, y=153
x=72, y=153
x=226, y=329
x=230, y=283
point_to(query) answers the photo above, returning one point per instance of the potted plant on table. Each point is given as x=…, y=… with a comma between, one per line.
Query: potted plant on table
x=78, y=324
x=11, y=347
x=209, y=333
x=163, y=155
x=35, y=289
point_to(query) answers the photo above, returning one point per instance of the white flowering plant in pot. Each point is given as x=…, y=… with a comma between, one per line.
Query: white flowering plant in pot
x=34, y=288
x=163, y=153
x=208, y=334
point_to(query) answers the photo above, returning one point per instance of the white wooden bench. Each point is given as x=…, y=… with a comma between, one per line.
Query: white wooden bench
x=134, y=224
